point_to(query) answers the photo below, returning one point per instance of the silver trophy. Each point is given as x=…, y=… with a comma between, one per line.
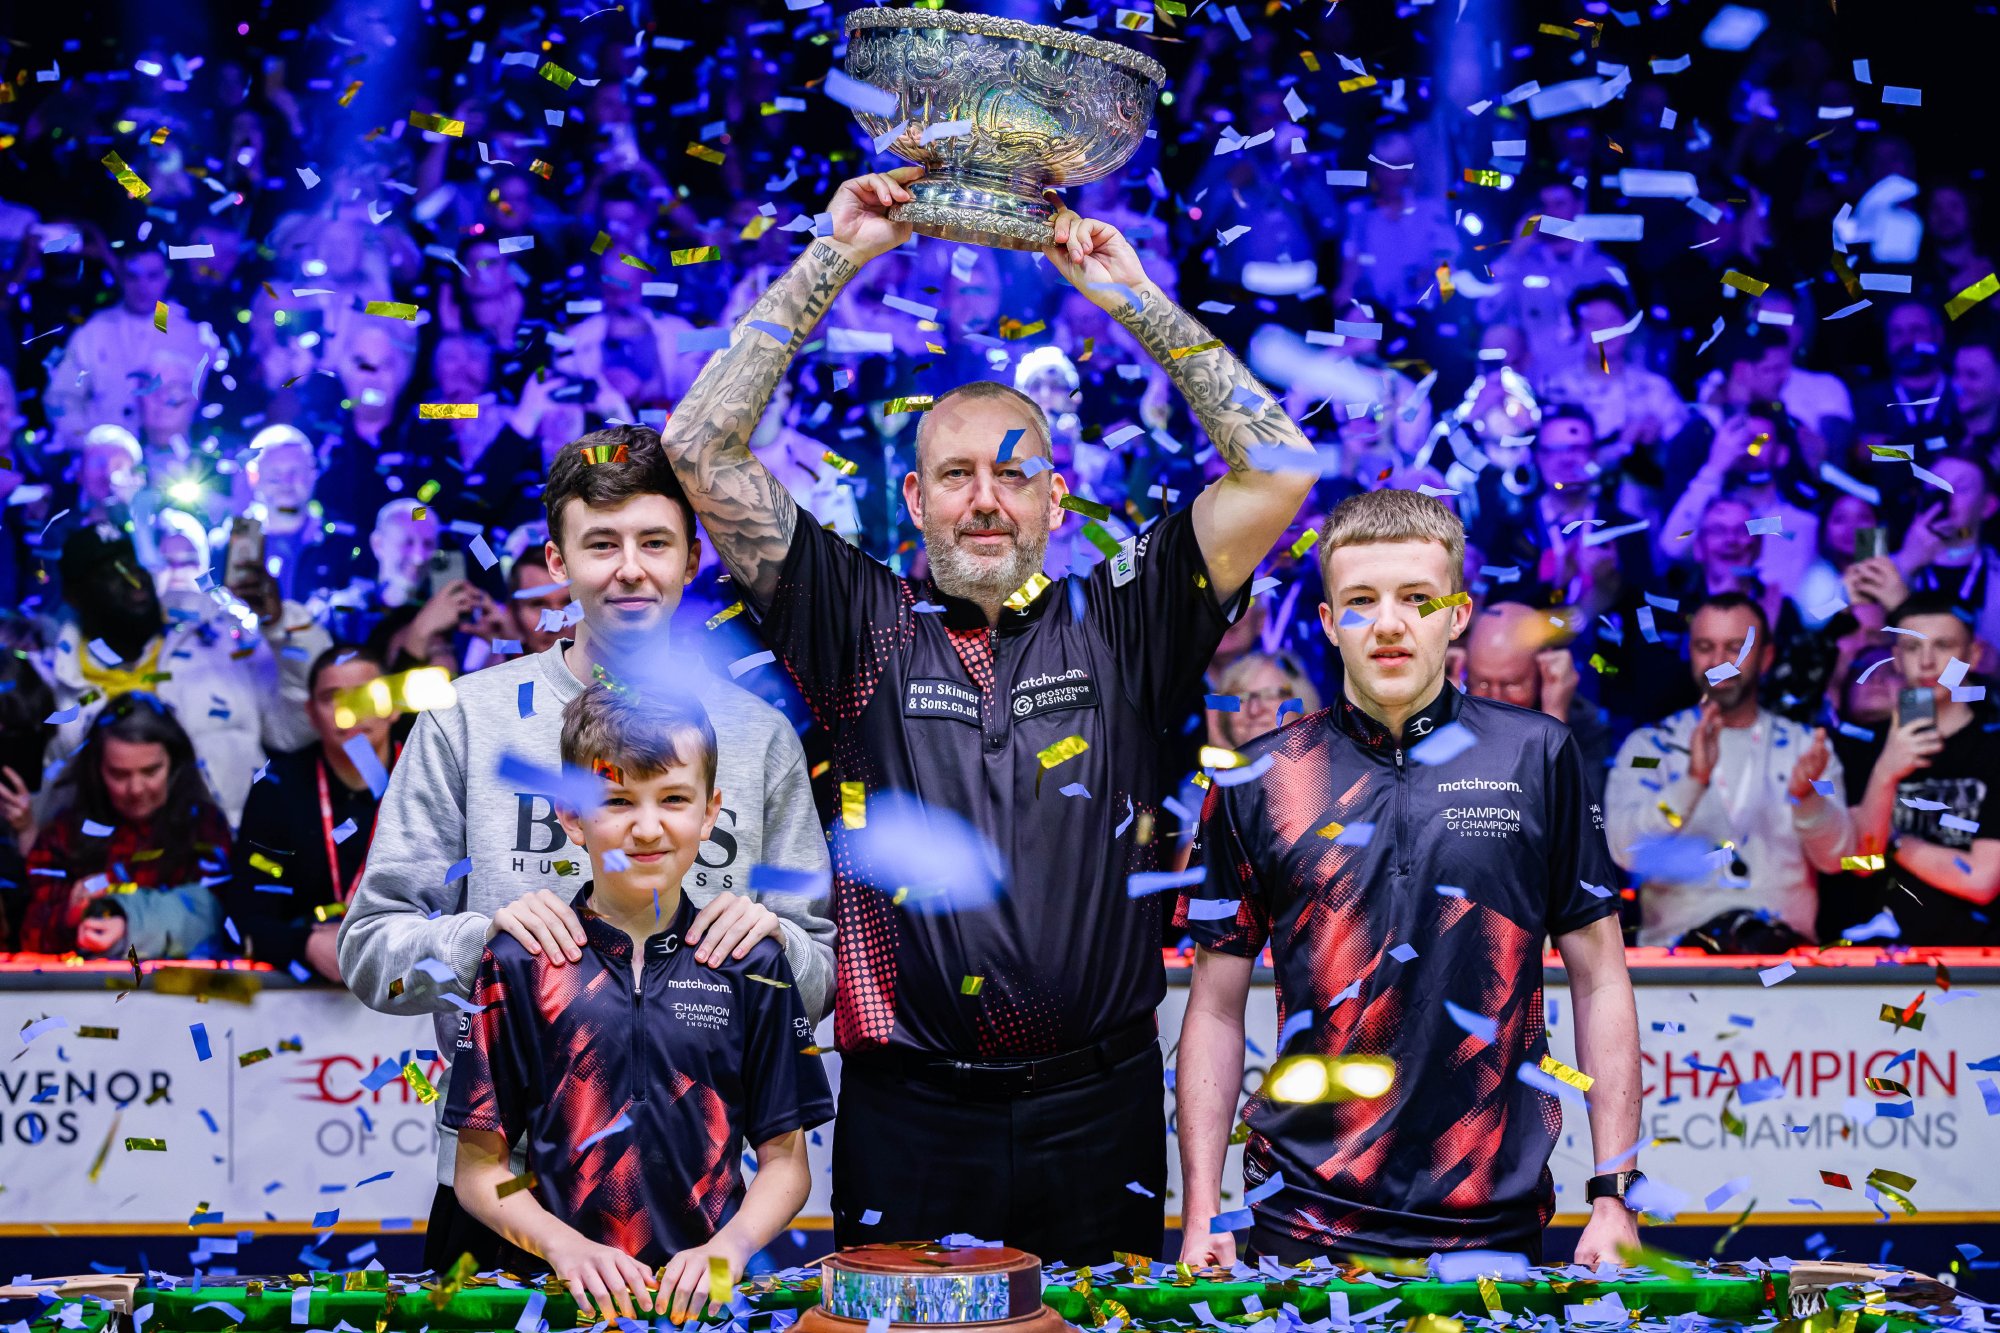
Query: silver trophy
x=996, y=111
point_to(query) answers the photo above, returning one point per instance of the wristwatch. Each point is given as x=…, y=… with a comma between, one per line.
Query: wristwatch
x=1614, y=1186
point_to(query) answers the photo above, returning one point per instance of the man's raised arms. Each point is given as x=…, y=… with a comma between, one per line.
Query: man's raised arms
x=744, y=510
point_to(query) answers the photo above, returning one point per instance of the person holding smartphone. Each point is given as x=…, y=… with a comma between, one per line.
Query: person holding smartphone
x=1932, y=804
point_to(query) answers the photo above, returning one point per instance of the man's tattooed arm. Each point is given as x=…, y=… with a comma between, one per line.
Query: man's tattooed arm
x=745, y=511
x=1236, y=411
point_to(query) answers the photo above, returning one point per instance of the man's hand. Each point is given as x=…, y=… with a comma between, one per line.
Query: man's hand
x=1705, y=745
x=1558, y=672
x=545, y=925
x=100, y=934
x=323, y=950
x=258, y=591
x=860, y=210
x=1097, y=260
x=1202, y=1248
x=17, y=808
x=732, y=923
x=1911, y=746
x=1613, y=1228
x=1924, y=541
x=612, y=1279
x=1809, y=766
x=441, y=614
x=685, y=1281
x=1732, y=442
x=1876, y=580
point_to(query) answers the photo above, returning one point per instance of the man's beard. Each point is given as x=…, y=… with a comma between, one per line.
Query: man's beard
x=981, y=578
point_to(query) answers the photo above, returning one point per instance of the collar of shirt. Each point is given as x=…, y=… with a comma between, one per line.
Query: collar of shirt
x=1365, y=731
x=615, y=945
x=960, y=614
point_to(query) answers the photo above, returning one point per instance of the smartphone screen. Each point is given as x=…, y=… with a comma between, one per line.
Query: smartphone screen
x=246, y=548
x=1916, y=704
x=1870, y=543
x=446, y=567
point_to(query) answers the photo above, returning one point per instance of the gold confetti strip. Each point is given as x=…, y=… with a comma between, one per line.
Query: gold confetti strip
x=127, y=177
x=447, y=411
x=601, y=244
x=1431, y=604
x=525, y=1181
x=1446, y=290
x=1972, y=295
x=1178, y=352
x=1218, y=756
x=846, y=467
x=107, y=1034
x=145, y=1145
x=730, y=612
x=1645, y=761
x=971, y=985
x=1307, y=540
x=1311, y=61
x=1014, y=329
x=916, y=402
x=1024, y=596
x=1888, y=1087
x=329, y=912
x=348, y=96
x=1897, y=452
x=1743, y=282
x=720, y=1288
x=756, y=227
x=1064, y=750
x=707, y=154
x=424, y=120
x=1557, y=30
x=235, y=987
x=1356, y=84
x=160, y=136
x=1476, y=176
x=1076, y=504
x=1865, y=864
x=290, y=1044
x=633, y=261
x=556, y=74
x=1332, y=831
x=854, y=805
x=773, y=983
x=543, y=169
x=160, y=316
x=259, y=861
x=699, y=254
x=258, y=1056
x=391, y=309
x=1902, y=1018
x=1576, y=1078
x=420, y=1085
x=1671, y=815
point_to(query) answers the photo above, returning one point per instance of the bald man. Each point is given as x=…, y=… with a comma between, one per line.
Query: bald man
x=1517, y=654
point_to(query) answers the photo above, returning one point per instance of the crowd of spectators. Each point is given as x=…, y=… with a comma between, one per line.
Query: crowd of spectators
x=1725, y=446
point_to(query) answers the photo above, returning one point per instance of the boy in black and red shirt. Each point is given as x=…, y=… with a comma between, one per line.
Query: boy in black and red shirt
x=637, y=1073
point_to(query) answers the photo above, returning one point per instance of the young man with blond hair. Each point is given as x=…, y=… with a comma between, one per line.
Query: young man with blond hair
x=1404, y=853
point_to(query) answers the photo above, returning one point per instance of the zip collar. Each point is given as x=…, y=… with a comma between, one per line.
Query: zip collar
x=1366, y=732
x=615, y=944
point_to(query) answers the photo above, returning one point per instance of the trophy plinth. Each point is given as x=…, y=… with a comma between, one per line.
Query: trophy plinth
x=997, y=111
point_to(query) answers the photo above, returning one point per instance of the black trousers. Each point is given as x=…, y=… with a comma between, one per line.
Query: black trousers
x=453, y=1232
x=1050, y=1172
x=1264, y=1239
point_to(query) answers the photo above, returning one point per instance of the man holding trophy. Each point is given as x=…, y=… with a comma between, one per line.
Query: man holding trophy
x=997, y=1051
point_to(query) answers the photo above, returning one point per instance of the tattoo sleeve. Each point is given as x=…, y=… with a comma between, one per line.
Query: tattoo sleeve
x=745, y=511
x=1236, y=411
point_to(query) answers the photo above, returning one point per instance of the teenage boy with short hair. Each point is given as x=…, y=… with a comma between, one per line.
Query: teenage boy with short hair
x=635, y=1073
x=622, y=535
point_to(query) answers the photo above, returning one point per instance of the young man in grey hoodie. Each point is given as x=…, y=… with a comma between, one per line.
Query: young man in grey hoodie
x=468, y=844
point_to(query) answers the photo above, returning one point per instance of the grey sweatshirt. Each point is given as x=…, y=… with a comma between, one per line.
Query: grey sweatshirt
x=446, y=802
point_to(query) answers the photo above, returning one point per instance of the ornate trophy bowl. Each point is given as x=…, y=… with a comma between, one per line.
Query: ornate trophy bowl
x=987, y=1289
x=1023, y=108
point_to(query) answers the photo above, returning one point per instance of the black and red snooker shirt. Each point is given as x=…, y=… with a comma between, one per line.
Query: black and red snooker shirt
x=918, y=695
x=1390, y=889
x=636, y=1101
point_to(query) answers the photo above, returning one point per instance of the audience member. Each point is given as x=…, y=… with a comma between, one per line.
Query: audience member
x=137, y=808
x=1519, y=656
x=1259, y=692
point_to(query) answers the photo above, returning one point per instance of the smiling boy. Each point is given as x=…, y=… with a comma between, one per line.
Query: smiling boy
x=636, y=1073
x=470, y=844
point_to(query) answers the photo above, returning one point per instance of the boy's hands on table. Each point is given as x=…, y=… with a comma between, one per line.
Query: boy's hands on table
x=606, y=1282
x=686, y=1284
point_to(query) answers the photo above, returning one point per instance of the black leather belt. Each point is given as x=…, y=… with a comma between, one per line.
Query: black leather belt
x=1009, y=1078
